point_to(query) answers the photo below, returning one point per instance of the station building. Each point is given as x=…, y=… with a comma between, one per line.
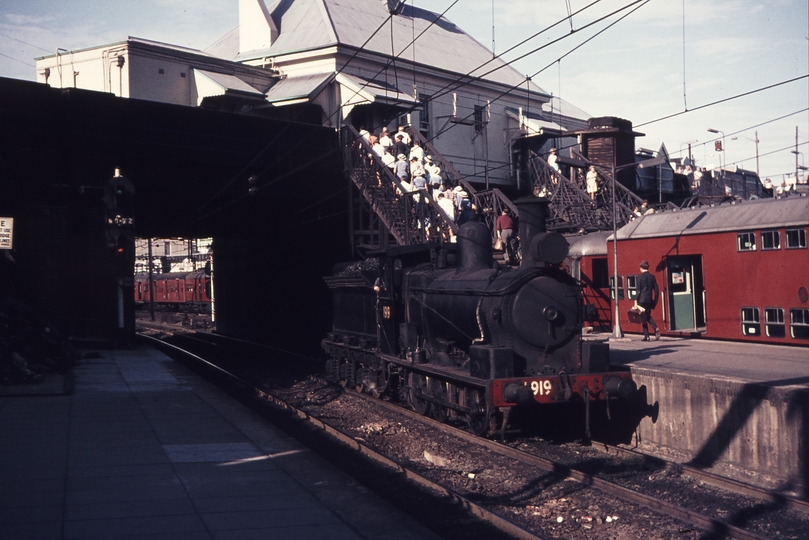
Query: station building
x=317, y=61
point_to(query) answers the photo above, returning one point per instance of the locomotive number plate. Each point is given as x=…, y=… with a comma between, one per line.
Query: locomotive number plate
x=541, y=388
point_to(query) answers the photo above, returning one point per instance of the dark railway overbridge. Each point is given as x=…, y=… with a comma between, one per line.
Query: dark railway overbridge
x=189, y=167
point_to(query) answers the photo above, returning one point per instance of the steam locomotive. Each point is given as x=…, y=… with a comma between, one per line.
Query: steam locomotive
x=461, y=338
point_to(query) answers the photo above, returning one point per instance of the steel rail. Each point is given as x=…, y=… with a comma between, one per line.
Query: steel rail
x=261, y=394
x=729, y=484
x=683, y=514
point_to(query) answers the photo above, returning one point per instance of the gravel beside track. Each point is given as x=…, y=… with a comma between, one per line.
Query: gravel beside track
x=550, y=504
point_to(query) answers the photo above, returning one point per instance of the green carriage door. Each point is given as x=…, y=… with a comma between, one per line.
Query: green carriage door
x=685, y=292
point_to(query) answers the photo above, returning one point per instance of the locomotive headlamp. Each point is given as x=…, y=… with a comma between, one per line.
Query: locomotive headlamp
x=379, y=285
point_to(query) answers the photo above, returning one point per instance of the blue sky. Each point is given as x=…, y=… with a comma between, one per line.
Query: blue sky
x=635, y=69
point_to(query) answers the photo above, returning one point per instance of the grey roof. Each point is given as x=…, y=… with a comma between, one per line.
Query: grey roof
x=378, y=90
x=230, y=83
x=559, y=106
x=306, y=25
x=744, y=216
x=297, y=87
x=588, y=245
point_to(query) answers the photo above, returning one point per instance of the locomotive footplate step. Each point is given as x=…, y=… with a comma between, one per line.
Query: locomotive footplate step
x=144, y=448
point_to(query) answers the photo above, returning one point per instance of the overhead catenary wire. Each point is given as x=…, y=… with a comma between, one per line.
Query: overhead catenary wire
x=771, y=152
x=641, y=2
x=388, y=64
x=17, y=60
x=723, y=100
x=278, y=159
x=680, y=151
x=267, y=147
x=26, y=43
x=514, y=87
x=447, y=88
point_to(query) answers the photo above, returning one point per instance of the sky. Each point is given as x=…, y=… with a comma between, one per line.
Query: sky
x=674, y=68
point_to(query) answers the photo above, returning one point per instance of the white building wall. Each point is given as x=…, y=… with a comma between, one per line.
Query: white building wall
x=161, y=79
x=150, y=71
x=459, y=143
x=97, y=69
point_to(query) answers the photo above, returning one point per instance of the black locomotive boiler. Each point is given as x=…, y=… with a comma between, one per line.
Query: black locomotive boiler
x=460, y=337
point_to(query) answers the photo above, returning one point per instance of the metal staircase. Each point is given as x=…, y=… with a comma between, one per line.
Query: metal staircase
x=389, y=212
x=571, y=207
x=409, y=217
x=490, y=203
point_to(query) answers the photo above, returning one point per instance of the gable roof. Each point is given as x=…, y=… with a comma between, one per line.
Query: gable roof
x=746, y=216
x=307, y=25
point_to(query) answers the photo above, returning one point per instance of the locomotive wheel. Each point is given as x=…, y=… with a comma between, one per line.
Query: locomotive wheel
x=482, y=421
x=438, y=389
x=418, y=387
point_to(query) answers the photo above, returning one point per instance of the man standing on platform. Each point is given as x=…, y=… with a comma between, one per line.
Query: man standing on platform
x=648, y=294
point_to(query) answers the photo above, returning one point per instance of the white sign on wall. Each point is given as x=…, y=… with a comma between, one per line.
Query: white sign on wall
x=6, y=232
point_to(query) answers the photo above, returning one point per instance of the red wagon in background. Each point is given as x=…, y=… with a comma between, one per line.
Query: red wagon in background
x=737, y=271
x=176, y=291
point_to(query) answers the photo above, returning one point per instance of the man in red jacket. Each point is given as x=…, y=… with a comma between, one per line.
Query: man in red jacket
x=504, y=226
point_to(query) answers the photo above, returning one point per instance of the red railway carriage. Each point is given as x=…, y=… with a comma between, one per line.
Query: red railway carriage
x=587, y=262
x=735, y=271
x=184, y=291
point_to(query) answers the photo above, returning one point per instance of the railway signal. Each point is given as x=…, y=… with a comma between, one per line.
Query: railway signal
x=119, y=199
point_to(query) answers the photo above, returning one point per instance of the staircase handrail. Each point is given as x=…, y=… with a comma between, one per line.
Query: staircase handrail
x=490, y=202
x=570, y=203
x=379, y=185
x=630, y=200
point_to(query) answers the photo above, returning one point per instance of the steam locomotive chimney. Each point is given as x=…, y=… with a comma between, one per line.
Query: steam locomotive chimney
x=474, y=247
x=533, y=214
x=538, y=246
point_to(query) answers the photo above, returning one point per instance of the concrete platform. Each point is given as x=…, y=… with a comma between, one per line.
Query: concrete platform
x=144, y=449
x=738, y=409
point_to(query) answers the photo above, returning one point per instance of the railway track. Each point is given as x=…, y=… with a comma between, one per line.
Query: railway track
x=712, y=527
x=508, y=528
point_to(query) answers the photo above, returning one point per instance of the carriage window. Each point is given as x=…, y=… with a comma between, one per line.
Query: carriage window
x=796, y=238
x=799, y=323
x=770, y=240
x=751, y=324
x=620, y=287
x=632, y=286
x=774, y=322
x=746, y=241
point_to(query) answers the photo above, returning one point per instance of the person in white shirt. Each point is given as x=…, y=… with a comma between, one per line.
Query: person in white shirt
x=417, y=152
x=384, y=138
x=405, y=136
